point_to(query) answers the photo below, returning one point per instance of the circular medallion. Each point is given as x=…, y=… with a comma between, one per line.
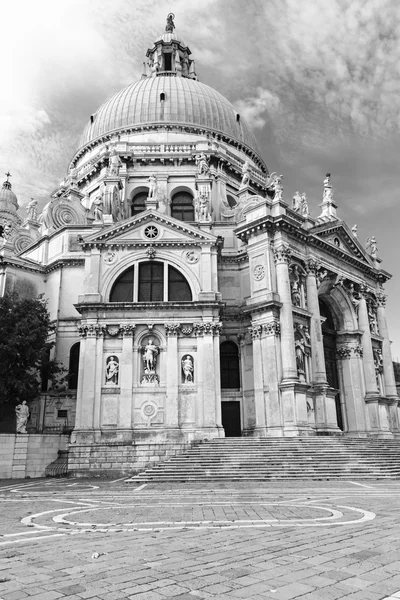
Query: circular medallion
x=110, y=257
x=149, y=410
x=258, y=272
x=192, y=257
x=151, y=232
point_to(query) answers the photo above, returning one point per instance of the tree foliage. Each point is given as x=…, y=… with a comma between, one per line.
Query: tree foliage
x=24, y=348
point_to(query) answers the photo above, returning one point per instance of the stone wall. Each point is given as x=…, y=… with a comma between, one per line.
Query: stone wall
x=28, y=455
x=111, y=459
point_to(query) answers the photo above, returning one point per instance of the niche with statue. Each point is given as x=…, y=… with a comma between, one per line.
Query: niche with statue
x=150, y=353
x=187, y=368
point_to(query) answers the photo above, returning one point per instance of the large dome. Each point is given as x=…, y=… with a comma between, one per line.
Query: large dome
x=169, y=100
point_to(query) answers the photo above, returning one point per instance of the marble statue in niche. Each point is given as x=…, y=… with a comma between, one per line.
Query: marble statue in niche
x=150, y=352
x=112, y=370
x=187, y=369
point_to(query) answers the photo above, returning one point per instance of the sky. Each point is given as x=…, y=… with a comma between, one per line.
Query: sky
x=319, y=81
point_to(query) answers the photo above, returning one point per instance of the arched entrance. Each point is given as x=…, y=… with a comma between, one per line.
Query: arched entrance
x=329, y=341
x=230, y=389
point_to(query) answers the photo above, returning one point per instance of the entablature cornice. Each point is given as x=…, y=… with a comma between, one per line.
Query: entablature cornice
x=22, y=264
x=64, y=262
x=141, y=308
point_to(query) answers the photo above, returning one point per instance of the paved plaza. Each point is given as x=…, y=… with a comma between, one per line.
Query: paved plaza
x=110, y=540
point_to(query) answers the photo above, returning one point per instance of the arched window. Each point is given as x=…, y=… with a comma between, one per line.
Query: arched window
x=138, y=203
x=157, y=282
x=178, y=287
x=73, y=368
x=182, y=206
x=231, y=201
x=122, y=290
x=151, y=282
x=229, y=360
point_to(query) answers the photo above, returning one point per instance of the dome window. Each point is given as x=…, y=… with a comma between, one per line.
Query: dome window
x=162, y=97
x=238, y=118
x=138, y=203
x=231, y=201
x=182, y=207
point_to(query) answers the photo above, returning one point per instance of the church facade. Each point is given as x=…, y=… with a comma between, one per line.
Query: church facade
x=191, y=300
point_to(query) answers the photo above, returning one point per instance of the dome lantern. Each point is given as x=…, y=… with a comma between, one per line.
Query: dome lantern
x=170, y=56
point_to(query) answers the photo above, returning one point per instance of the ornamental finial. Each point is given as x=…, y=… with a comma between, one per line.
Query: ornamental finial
x=7, y=183
x=170, y=26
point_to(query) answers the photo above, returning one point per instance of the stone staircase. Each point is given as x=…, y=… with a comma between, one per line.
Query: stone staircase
x=266, y=459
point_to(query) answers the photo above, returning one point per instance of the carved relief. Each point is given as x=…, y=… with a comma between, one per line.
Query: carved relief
x=192, y=257
x=110, y=257
x=343, y=352
x=259, y=272
x=149, y=411
x=207, y=328
x=112, y=370
x=255, y=331
x=187, y=364
x=203, y=167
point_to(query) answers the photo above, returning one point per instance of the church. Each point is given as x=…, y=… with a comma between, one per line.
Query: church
x=191, y=299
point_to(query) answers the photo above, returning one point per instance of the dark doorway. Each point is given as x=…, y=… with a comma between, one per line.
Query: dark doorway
x=329, y=339
x=231, y=418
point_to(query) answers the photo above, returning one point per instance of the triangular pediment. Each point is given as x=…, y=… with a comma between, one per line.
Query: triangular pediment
x=149, y=227
x=340, y=237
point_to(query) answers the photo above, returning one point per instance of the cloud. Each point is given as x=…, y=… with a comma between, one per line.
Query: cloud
x=254, y=108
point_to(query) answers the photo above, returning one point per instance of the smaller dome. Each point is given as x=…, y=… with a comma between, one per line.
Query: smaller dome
x=8, y=200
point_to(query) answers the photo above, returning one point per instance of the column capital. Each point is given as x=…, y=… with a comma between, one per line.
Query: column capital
x=282, y=253
x=172, y=329
x=127, y=330
x=272, y=328
x=312, y=266
x=381, y=299
x=92, y=330
x=255, y=331
x=208, y=328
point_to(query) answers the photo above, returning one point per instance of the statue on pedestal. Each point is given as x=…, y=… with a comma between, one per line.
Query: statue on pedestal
x=245, y=175
x=328, y=191
x=22, y=414
x=152, y=186
x=114, y=162
x=98, y=205
x=202, y=207
x=203, y=167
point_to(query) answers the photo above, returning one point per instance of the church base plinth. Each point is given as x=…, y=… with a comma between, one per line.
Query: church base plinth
x=113, y=452
x=325, y=411
x=294, y=409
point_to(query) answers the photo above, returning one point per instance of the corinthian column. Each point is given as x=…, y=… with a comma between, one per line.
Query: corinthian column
x=317, y=344
x=282, y=257
x=388, y=373
x=371, y=388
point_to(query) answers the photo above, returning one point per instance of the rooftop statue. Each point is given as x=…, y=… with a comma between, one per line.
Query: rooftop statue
x=371, y=246
x=152, y=186
x=354, y=231
x=304, y=206
x=170, y=26
x=296, y=202
x=31, y=210
x=328, y=191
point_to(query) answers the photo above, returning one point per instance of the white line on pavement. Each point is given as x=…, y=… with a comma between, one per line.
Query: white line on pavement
x=362, y=484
